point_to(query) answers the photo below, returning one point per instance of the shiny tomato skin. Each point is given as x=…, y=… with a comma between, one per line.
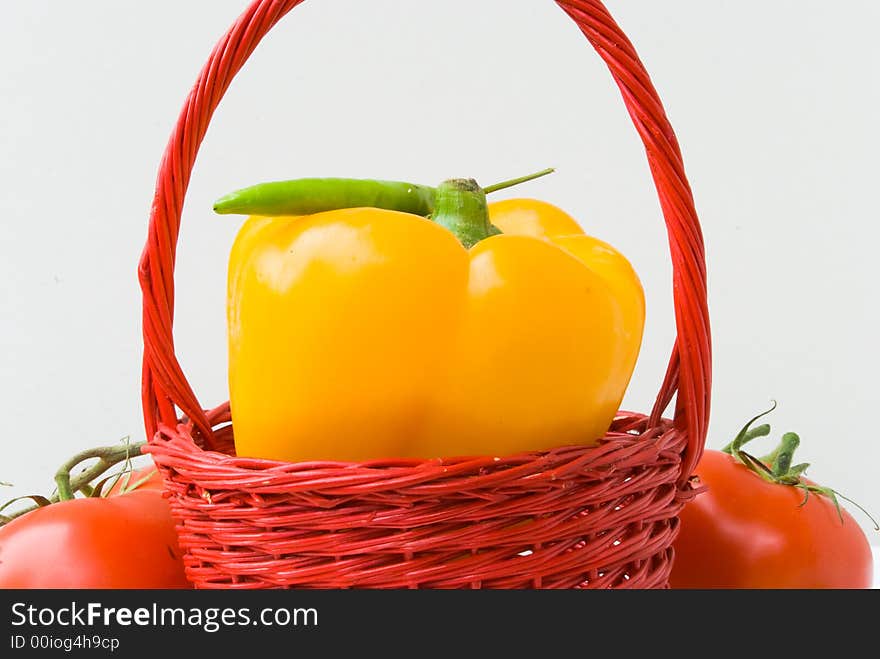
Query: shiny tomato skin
x=744, y=532
x=125, y=541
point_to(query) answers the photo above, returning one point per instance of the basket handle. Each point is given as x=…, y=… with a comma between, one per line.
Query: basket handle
x=164, y=386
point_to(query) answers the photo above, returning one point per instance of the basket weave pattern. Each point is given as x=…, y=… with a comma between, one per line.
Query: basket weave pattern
x=572, y=517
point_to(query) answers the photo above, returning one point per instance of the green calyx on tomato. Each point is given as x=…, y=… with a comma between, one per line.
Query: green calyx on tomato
x=67, y=486
x=776, y=467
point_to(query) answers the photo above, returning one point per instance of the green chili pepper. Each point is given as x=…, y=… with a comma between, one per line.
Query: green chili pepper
x=314, y=195
x=306, y=196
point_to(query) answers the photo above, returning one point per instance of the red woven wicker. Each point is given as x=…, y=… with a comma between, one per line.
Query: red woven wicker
x=572, y=517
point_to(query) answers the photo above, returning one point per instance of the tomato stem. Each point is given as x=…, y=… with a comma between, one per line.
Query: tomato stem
x=776, y=467
x=747, y=433
x=39, y=500
x=780, y=459
x=107, y=457
x=67, y=485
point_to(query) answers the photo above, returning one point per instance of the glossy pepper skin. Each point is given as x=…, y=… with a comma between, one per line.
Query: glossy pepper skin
x=363, y=334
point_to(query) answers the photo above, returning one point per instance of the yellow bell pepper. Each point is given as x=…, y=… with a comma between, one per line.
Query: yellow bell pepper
x=363, y=333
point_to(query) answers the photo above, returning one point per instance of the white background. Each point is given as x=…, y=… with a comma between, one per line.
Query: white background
x=775, y=105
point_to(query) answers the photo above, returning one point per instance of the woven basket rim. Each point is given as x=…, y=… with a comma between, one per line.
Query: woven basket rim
x=637, y=444
x=627, y=427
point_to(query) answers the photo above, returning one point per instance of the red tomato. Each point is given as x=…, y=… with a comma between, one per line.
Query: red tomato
x=124, y=541
x=745, y=532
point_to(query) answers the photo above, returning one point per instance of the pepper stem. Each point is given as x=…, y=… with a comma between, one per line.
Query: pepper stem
x=516, y=181
x=460, y=206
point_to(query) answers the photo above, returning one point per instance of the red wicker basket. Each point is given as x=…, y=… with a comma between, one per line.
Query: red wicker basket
x=572, y=517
